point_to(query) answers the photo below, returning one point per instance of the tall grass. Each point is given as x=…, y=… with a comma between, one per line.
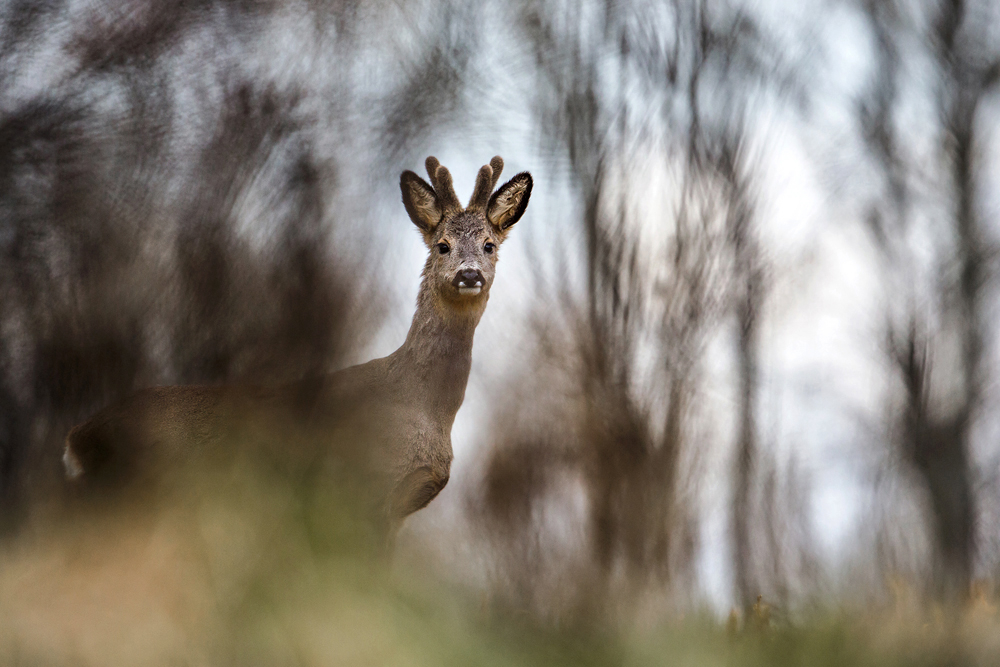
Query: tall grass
x=248, y=568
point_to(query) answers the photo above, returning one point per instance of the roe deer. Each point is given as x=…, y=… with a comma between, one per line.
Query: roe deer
x=387, y=422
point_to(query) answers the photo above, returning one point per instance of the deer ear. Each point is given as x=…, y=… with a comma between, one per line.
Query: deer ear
x=508, y=203
x=421, y=202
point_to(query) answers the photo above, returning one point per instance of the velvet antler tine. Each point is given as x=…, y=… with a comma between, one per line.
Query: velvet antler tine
x=432, y=164
x=497, y=165
x=481, y=195
x=441, y=182
x=445, y=190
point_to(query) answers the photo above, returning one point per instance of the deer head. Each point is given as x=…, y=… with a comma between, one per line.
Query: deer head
x=463, y=242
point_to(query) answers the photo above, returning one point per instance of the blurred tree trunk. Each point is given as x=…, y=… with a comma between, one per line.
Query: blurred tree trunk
x=748, y=297
x=935, y=441
x=939, y=449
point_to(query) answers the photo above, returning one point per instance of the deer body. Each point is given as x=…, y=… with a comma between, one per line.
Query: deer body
x=387, y=422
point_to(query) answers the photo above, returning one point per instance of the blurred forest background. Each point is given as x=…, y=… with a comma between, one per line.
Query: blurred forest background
x=744, y=342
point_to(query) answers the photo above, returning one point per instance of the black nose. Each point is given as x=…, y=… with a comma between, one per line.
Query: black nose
x=468, y=278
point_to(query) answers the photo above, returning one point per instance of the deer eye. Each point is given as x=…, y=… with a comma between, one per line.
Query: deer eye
x=489, y=248
x=443, y=248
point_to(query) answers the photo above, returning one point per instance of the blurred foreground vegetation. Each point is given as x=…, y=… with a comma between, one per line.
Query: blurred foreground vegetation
x=244, y=568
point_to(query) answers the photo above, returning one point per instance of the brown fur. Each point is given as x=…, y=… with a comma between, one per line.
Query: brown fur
x=386, y=424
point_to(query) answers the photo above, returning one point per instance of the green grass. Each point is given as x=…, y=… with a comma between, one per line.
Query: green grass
x=247, y=572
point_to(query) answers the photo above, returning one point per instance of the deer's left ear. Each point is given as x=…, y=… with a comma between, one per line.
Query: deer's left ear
x=508, y=203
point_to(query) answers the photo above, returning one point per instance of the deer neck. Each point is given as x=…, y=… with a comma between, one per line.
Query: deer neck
x=437, y=354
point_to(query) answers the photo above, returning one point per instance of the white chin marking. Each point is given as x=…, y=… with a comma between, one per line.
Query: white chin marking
x=470, y=291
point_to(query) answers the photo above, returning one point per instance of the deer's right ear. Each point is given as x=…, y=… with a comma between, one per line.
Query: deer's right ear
x=420, y=201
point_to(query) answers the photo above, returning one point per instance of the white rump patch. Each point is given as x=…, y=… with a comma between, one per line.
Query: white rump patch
x=72, y=464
